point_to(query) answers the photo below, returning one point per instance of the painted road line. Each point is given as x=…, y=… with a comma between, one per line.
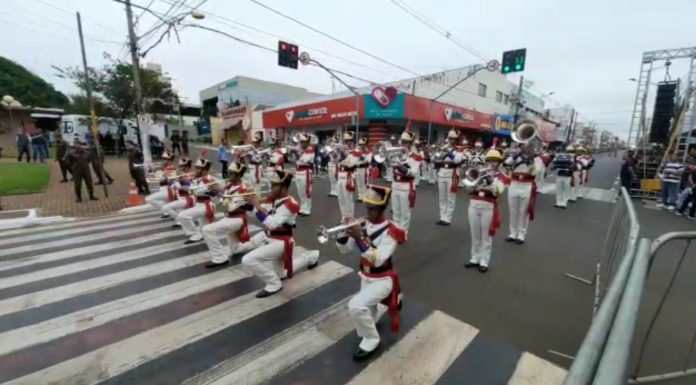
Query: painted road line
x=532, y=370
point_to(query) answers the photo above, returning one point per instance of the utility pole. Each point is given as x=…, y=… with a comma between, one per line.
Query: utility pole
x=93, y=115
x=133, y=43
x=518, y=103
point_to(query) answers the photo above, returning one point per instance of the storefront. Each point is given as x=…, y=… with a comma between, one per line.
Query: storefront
x=233, y=124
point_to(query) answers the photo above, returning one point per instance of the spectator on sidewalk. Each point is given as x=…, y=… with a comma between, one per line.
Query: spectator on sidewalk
x=39, y=146
x=23, y=143
x=184, y=143
x=96, y=154
x=223, y=156
x=61, y=151
x=628, y=172
x=79, y=159
x=176, y=142
x=671, y=179
x=688, y=195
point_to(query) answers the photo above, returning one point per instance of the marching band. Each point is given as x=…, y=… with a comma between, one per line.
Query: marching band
x=258, y=185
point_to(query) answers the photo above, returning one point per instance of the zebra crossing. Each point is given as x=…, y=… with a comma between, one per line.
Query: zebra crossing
x=590, y=193
x=121, y=300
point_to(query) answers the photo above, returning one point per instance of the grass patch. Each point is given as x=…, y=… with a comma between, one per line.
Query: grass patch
x=11, y=152
x=24, y=178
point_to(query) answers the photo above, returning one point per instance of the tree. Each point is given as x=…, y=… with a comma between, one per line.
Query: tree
x=27, y=87
x=113, y=85
x=79, y=104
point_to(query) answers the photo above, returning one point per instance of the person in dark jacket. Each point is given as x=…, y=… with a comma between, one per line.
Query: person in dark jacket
x=628, y=172
x=61, y=150
x=78, y=157
x=97, y=156
x=184, y=142
x=176, y=142
x=23, y=144
x=135, y=166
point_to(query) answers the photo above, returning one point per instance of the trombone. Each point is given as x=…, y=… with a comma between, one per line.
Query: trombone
x=155, y=178
x=227, y=199
x=324, y=234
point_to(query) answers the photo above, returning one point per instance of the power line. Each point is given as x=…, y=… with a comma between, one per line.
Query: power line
x=430, y=24
x=72, y=13
x=57, y=23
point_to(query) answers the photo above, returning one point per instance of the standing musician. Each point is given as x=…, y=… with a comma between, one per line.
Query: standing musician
x=200, y=205
x=576, y=181
x=376, y=239
x=388, y=169
x=276, y=158
x=333, y=164
x=542, y=162
x=586, y=162
x=564, y=164
x=234, y=225
x=418, y=149
x=345, y=177
x=467, y=153
x=255, y=175
x=484, y=216
x=276, y=244
x=522, y=191
x=478, y=154
x=164, y=194
x=178, y=191
x=362, y=172
x=430, y=169
x=303, y=176
x=403, y=187
x=448, y=177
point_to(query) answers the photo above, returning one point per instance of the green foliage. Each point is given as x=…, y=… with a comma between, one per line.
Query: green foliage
x=113, y=87
x=79, y=104
x=23, y=178
x=28, y=88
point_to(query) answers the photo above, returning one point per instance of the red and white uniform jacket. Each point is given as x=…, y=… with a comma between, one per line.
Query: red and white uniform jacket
x=489, y=190
x=347, y=167
x=237, y=207
x=276, y=159
x=305, y=167
x=279, y=220
x=255, y=167
x=405, y=174
x=449, y=168
x=377, y=246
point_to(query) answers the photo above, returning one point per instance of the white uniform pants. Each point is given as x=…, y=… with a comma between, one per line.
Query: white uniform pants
x=576, y=191
x=213, y=231
x=188, y=219
x=446, y=198
x=401, y=210
x=332, y=179
x=432, y=173
x=389, y=173
x=159, y=198
x=266, y=260
x=562, y=190
x=480, y=216
x=345, y=197
x=365, y=309
x=173, y=208
x=301, y=184
x=541, y=171
x=519, y=195
x=360, y=184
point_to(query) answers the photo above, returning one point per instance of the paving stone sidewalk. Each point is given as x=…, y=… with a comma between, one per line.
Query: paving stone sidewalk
x=59, y=198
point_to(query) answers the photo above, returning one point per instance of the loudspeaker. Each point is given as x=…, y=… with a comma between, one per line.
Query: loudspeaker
x=663, y=112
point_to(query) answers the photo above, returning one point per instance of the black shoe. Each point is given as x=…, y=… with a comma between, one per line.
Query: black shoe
x=93, y=198
x=483, y=269
x=263, y=293
x=571, y=200
x=176, y=225
x=78, y=200
x=190, y=241
x=519, y=241
x=510, y=239
x=313, y=265
x=558, y=206
x=164, y=216
x=564, y=207
x=445, y=223
x=213, y=265
x=439, y=223
x=360, y=354
x=469, y=265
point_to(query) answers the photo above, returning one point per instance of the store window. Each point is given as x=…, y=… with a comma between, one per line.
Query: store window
x=482, y=90
x=507, y=98
x=498, y=96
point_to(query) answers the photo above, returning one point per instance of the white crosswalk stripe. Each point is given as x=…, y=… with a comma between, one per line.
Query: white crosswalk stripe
x=121, y=300
x=590, y=193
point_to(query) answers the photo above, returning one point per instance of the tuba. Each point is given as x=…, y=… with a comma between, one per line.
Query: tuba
x=526, y=133
x=394, y=155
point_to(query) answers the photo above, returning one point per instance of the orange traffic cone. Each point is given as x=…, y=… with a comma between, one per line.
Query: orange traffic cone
x=134, y=199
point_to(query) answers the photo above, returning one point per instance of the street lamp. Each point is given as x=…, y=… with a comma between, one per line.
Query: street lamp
x=636, y=80
x=9, y=102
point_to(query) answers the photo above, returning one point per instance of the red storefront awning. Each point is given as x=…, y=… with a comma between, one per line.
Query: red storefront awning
x=419, y=109
x=328, y=111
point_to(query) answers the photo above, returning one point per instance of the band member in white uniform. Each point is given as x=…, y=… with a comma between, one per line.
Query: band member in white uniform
x=255, y=175
x=564, y=165
x=333, y=163
x=484, y=215
x=362, y=172
x=345, y=177
x=388, y=169
x=542, y=162
x=448, y=177
x=162, y=196
x=276, y=160
x=375, y=239
x=522, y=192
x=576, y=180
x=273, y=257
x=303, y=175
x=234, y=225
x=421, y=172
x=178, y=191
x=403, y=188
x=200, y=206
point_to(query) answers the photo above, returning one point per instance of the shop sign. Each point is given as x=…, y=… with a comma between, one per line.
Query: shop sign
x=377, y=107
x=503, y=122
x=452, y=114
x=330, y=111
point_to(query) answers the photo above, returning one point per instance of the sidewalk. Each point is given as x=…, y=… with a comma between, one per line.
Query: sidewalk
x=59, y=198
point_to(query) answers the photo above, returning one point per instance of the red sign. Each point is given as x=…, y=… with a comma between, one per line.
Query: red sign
x=330, y=111
x=446, y=114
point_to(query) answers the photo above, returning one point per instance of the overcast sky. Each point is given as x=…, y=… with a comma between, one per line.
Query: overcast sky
x=584, y=51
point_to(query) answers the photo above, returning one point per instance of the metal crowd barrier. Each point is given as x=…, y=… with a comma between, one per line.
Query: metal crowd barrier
x=611, y=276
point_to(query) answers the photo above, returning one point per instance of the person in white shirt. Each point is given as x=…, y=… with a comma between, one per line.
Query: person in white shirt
x=200, y=208
x=671, y=180
x=273, y=257
x=376, y=240
x=255, y=175
x=363, y=166
x=403, y=188
x=522, y=192
x=303, y=175
x=345, y=176
x=448, y=177
x=333, y=164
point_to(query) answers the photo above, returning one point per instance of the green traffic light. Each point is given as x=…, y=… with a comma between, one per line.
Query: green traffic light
x=506, y=69
x=518, y=67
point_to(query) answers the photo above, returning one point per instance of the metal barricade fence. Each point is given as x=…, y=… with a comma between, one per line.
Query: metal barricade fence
x=611, y=274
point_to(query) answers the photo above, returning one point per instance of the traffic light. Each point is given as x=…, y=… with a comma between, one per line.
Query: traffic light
x=513, y=61
x=287, y=54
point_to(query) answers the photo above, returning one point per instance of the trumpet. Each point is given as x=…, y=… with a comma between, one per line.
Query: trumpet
x=227, y=199
x=474, y=176
x=205, y=186
x=154, y=178
x=243, y=150
x=324, y=234
x=394, y=155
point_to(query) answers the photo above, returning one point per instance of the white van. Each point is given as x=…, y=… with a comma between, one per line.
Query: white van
x=79, y=124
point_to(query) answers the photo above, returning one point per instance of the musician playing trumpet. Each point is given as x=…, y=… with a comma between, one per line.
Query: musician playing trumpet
x=273, y=256
x=200, y=208
x=234, y=225
x=163, y=195
x=375, y=239
x=447, y=160
x=178, y=195
x=522, y=192
x=333, y=163
x=362, y=172
x=303, y=176
x=345, y=176
x=403, y=186
x=484, y=215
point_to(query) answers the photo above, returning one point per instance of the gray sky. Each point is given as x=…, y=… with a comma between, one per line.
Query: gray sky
x=584, y=51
